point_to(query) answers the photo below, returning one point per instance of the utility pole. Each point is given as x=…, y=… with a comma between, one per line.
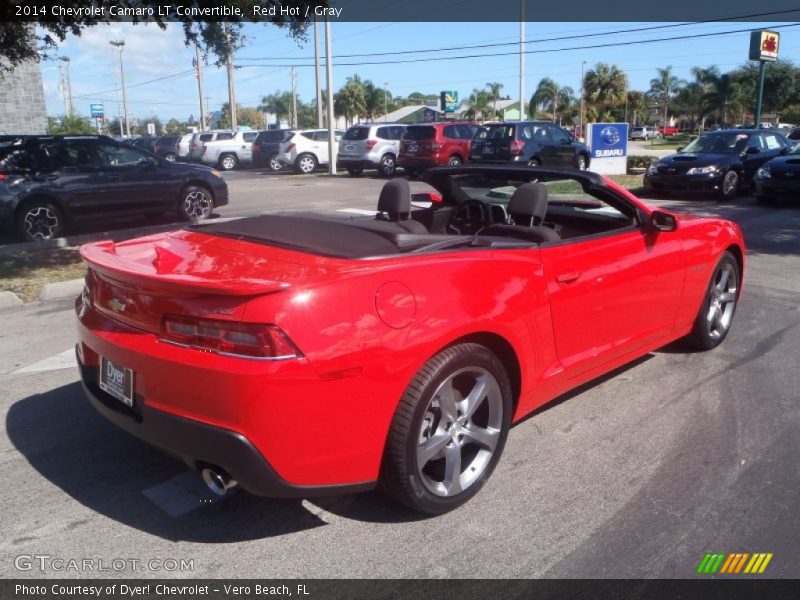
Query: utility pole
x=293, y=75
x=583, y=93
x=68, y=106
x=198, y=71
x=521, y=60
x=316, y=75
x=385, y=104
x=231, y=84
x=121, y=45
x=329, y=87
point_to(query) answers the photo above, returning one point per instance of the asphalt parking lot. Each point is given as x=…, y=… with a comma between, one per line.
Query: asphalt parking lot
x=638, y=474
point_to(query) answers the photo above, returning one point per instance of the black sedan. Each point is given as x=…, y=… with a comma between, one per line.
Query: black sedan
x=720, y=162
x=48, y=183
x=779, y=178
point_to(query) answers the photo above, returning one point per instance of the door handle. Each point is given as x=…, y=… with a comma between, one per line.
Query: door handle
x=568, y=277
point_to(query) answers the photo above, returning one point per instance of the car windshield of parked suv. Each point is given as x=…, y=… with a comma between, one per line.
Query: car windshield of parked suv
x=719, y=143
x=421, y=132
x=495, y=133
x=356, y=133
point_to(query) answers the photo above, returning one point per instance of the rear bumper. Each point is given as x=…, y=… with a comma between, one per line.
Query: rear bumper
x=417, y=162
x=199, y=444
x=355, y=162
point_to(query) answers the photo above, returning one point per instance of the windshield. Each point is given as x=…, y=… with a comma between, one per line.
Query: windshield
x=719, y=143
x=795, y=150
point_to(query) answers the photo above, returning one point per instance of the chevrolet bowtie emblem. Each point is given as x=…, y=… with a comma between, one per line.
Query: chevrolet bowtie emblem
x=117, y=305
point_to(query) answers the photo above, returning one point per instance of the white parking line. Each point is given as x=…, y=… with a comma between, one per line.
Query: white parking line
x=65, y=360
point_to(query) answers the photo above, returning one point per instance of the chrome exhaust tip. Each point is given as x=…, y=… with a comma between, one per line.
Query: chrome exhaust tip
x=218, y=481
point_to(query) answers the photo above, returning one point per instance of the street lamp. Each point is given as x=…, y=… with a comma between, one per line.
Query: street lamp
x=121, y=45
x=583, y=92
x=68, y=107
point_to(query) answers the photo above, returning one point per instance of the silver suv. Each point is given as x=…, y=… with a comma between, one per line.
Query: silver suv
x=199, y=140
x=643, y=132
x=370, y=147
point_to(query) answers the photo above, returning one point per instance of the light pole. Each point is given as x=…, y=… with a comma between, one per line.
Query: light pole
x=385, y=85
x=70, y=110
x=121, y=45
x=329, y=87
x=521, y=60
x=583, y=92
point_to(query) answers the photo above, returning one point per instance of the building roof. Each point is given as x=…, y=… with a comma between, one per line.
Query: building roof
x=401, y=113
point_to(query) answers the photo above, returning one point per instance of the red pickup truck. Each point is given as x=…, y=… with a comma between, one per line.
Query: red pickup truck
x=666, y=131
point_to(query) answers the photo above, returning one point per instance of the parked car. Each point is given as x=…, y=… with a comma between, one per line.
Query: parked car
x=184, y=145
x=794, y=135
x=145, y=143
x=167, y=147
x=720, y=162
x=434, y=144
x=779, y=178
x=255, y=348
x=374, y=146
x=532, y=143
x=266, y=147
x=199, y=141
x=306, y=149
x=48, y=184
x=668, y=131
x=644, y=132
x=227, y=154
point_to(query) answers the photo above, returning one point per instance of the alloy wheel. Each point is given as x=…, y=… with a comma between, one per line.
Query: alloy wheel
x=581, y=162
x=275, y=164
x=228, y=162
x=388, y=166
x=197, y=205
x=307, y=164
x=723, y=301
x=41, y=223
x=460, y=431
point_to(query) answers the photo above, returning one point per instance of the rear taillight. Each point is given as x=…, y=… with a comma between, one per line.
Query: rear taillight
x=2, y=176
x=193, y=145
x=371, y=144
x=177, y=147
x=517, y=146
x=257, y=148
x=289, y=148
x=247, y=340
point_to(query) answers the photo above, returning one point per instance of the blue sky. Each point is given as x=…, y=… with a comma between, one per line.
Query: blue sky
x=152, y=53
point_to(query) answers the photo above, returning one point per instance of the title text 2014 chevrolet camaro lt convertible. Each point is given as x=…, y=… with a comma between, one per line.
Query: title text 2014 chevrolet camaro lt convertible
x=301, y=354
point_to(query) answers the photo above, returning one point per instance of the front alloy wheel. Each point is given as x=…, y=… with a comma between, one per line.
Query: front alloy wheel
x=714, y=320
x=197, y=204
x=581, y=162
x=40, y=221
x=449, y=430
x=228, y=162
x=730, y=185
x=306, y=163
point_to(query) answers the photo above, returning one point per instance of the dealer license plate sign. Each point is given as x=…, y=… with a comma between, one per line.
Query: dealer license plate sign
x=116, y=380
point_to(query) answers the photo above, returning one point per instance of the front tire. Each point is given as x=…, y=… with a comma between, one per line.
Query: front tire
x=455, y=161
x=448, y=431
x=534, y=162
x=170, y=157
x=305, y=164
x=714, y=320
x=40, y=220
x=196, y=203
x=355, y=171
x=581, y=163
x=228, y=162
x=730, y=185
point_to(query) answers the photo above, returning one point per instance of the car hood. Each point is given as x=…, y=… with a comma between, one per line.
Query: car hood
x=785, y=163
x=192, y=168
x=687, y=160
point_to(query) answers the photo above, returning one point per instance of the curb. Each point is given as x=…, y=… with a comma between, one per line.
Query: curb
x=9, y=300
x=61, y=289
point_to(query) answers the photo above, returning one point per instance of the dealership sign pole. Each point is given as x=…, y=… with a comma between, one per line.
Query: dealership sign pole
x=763, y=48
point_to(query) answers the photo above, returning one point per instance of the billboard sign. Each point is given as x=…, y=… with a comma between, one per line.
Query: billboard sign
x=608, y=147
x=764, y=45
x=96, y=110
x=449, y=101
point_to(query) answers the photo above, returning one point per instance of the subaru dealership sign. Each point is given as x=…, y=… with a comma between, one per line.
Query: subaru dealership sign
x=608, y=146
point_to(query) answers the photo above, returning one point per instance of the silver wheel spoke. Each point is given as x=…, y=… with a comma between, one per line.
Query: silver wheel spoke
x=723, y=280
x=486, y=438
x=475, y=397
x=727, y=297
x=712, y=311
x=452, y=469
x=431, y=448
x=447, y=401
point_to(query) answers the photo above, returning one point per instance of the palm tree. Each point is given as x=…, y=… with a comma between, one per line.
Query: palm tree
x=665, y=86
x=478, y=103
x=725, y=94
x=704, y=78
x=603, y=87
x=494, y=94
x=639, y=107
x=350, y=102
x=553, y=98
x=277, y=104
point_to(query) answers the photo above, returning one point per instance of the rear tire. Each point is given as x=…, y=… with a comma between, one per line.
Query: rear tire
x=170, y=157
x=275, y=164
x=355, y=171
x=448, y=431
x=305, y=164
x=765, y=199
x=388, y=165
x=228, y=162
x=534, y=162
x=455, y=161
x=196, y=203
x=581, y=163
x=716, y=313
x=412, y=173
x=40, y=220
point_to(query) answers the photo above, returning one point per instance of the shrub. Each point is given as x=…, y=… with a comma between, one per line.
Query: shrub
x=640, y=161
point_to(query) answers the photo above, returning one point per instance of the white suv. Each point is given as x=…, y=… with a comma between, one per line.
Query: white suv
x=306, y=149
x=643, y=132
x=229, y=154
x=199, y=141
x=371, y=147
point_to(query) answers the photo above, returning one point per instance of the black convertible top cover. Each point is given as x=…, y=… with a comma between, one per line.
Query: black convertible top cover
x=339, y=237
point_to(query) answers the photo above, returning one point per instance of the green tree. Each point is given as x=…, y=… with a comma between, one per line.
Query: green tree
x=664, y=87
x=278, y=104
x=478, y=104
x=638, y=108
x=70, y=125
x=781, y=80
x=554, y=99
x=174, y=126
x=604, y=87
x=494, y=94
x=350, y=102
x=725, y=97
x=141, y=128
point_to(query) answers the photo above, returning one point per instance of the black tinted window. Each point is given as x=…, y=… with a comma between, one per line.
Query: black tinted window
x=422, y=132
x=249, y=136
x=356, y=133
x=206, y=137
x=118, y=155
x=225, y=135
x=274, y=136
x=495, y=133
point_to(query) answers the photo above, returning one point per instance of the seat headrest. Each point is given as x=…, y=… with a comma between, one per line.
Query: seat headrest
x=395, y=197
x=528, y=205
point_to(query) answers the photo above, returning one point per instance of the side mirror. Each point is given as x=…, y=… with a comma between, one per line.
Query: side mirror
x=679, y=149
x=662, y=221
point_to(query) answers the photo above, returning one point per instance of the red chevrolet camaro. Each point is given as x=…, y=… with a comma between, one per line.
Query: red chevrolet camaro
x=301, y=354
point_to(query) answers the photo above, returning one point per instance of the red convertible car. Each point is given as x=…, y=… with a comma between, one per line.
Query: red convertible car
x=301, y=354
